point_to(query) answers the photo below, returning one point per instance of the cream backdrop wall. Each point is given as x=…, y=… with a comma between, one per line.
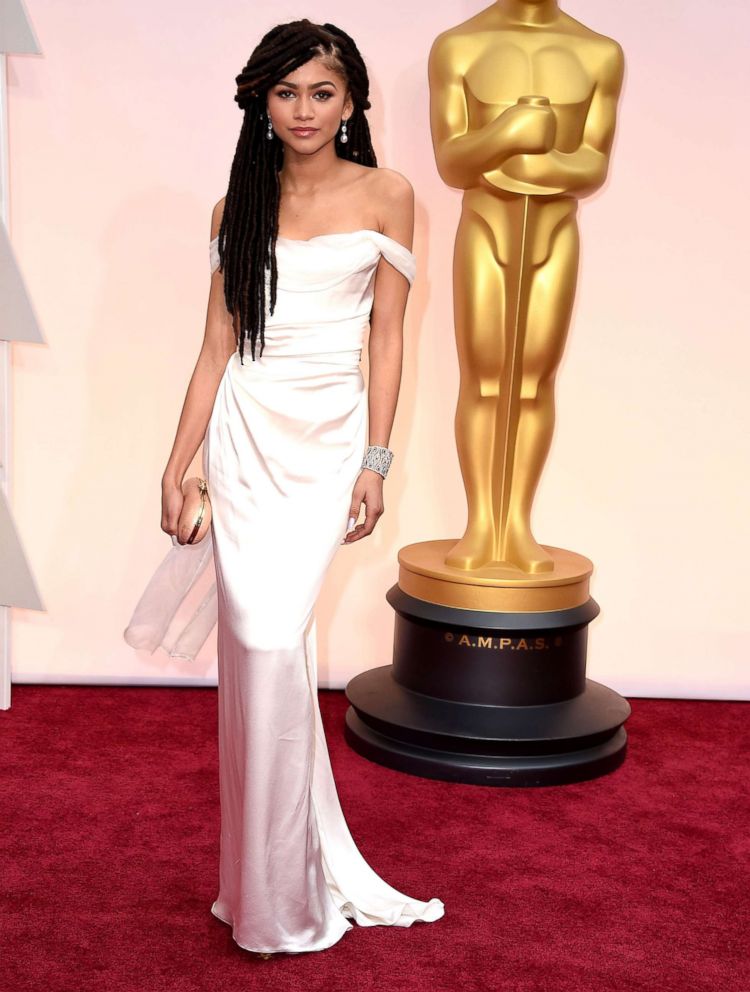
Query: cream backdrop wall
x=121, y=138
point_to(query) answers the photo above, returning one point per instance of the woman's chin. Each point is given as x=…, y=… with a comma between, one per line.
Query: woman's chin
x=307, y=145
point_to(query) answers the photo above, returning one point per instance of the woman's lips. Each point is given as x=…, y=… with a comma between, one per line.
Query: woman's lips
x=303, y=132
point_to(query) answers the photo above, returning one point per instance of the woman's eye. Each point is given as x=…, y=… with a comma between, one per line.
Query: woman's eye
x=283, y=93
x=324, y=93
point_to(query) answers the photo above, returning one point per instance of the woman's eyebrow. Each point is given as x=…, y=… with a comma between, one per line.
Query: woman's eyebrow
x=312, y=86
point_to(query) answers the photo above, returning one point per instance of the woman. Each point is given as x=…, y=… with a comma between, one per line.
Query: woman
x=308, y=247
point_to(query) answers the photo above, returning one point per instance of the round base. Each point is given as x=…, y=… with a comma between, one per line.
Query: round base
x=499, y=587
x=553, y=744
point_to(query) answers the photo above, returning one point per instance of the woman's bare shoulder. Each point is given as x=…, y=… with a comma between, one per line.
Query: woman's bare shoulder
x=393, y=185
x=382, y=181
x=216, y=215
x=394, y=196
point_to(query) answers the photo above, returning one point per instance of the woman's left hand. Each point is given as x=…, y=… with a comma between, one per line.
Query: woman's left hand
x=368, y=490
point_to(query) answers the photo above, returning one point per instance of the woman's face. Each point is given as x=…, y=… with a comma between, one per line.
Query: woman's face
x=307, y=106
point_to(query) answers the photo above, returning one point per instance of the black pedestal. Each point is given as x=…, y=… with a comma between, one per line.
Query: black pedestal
x=487, y=698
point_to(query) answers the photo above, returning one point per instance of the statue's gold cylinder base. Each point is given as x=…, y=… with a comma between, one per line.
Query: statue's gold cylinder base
x=499, y=589
x=488, y=682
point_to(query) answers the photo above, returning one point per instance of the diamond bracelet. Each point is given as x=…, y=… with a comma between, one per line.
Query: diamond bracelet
x=378, y=459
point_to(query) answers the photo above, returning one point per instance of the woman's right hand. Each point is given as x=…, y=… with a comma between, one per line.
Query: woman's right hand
x=172, y=499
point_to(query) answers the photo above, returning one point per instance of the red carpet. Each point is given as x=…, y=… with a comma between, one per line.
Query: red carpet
x=635, y=881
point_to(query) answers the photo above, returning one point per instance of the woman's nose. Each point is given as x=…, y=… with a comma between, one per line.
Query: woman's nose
x=304, y=109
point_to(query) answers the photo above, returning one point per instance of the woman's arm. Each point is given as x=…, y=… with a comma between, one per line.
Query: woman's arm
x=385, y=348
x=218, y=345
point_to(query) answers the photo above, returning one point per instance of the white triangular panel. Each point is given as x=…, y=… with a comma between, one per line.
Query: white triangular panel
x=17, y=585
x=16, y=33
x=17, y=317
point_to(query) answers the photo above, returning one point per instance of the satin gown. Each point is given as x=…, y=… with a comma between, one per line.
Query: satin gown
x=282, y=451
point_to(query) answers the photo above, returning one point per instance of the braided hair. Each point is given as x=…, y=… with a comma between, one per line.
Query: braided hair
x=247, y=236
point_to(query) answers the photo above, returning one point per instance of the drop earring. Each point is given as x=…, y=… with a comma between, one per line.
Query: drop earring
x=344, y=135
x=269, y=132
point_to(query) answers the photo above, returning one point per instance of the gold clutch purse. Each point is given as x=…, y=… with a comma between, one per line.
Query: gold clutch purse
x=195, y=518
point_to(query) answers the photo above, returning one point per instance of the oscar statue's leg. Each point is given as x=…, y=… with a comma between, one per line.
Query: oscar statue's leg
x=551, y=300
x=479, y=303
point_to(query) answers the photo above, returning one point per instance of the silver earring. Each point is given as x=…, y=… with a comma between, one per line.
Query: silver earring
x=269, y=132
x=344, y=135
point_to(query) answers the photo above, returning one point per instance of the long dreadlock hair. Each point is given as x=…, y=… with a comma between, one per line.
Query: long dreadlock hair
x=247, y=236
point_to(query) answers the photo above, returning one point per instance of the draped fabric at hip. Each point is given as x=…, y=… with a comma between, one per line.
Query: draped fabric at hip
x=282, y=452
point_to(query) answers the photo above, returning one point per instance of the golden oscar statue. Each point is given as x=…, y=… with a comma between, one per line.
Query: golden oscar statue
x=523, y=102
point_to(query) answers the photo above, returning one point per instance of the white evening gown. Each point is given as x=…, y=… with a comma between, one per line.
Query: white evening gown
x=282, y=452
